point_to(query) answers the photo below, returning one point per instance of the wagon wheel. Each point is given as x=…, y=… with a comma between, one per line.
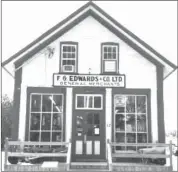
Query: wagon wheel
x=13, y=160
x=37, y=160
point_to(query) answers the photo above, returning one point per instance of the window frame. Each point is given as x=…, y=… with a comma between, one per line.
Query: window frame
x=51, y=131
x=93, y=95
x=130, y=92
x=125, y=132
x=116, y=60
x=68, y=43
x=45, y=91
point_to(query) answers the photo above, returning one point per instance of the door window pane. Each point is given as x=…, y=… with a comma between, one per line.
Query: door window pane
x=89, y=102
x=89, y=124
x=93, y=124
x=89, y=118
x=96, y=118
x=80, y=101
x=79, y=121
x=79, y=125
x=90, y=130
x=96, y=124
x=97, y=102
x=36, y=103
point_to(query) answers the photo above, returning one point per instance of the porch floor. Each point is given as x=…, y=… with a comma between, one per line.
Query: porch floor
x=120, y=167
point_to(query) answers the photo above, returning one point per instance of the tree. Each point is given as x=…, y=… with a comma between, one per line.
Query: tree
x=6, y=123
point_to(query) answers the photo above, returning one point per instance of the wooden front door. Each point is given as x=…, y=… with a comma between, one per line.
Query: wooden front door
x=88, y=126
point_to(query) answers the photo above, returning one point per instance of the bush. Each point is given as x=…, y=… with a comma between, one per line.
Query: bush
x=6, y=123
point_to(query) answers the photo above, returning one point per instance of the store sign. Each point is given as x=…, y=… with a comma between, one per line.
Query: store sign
x=89, y=80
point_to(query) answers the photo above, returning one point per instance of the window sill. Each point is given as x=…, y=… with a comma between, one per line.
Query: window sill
x=69, y=73
x=109, y=73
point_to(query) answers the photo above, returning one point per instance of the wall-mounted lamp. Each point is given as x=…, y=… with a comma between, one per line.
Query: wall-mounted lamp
x=89, y=71
x=49, y=52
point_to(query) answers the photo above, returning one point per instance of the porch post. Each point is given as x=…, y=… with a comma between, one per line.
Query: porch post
x=108, y=107
x=69, y=110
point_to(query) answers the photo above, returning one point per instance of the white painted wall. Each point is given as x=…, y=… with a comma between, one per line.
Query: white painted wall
x=140, y=73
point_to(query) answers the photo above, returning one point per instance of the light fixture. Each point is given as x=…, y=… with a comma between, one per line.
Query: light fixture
x=89, y=71
x=49, y=52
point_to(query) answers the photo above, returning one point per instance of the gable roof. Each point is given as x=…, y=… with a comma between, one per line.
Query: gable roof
x=90, y=9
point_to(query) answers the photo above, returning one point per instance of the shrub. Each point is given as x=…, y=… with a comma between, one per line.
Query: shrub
x=6, y=123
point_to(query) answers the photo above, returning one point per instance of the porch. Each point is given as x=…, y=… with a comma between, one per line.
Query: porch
x=60, y=159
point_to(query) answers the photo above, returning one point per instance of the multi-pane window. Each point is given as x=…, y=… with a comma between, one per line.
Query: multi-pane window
x=88, y=101
x=69, y=58
x=46, y=117
x=130, y=120
x=110, y=58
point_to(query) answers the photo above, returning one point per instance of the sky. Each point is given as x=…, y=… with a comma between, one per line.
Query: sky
x=153, y=21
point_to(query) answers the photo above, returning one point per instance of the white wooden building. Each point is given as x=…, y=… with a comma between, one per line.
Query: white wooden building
x=88, y=80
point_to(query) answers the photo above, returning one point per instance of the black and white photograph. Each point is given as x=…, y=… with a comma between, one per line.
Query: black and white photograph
x=89, y=86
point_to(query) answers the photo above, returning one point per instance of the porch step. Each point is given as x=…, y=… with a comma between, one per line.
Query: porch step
x=81, y=166
x=136, y=167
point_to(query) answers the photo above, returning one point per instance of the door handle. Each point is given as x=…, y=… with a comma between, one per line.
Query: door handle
x=85, y=138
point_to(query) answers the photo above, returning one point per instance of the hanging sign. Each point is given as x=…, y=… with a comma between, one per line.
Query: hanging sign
x=89, y=80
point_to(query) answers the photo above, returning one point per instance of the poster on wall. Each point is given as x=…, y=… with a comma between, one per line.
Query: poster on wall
x=89, y=80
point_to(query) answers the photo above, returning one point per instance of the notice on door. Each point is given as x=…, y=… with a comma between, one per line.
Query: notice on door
x=97, y=131
x=89, y=80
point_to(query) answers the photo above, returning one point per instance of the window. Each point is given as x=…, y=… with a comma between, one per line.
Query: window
x=68, y=57
x=88, y=101
x=110, y=57
x=130, y=120
x=46, y=117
